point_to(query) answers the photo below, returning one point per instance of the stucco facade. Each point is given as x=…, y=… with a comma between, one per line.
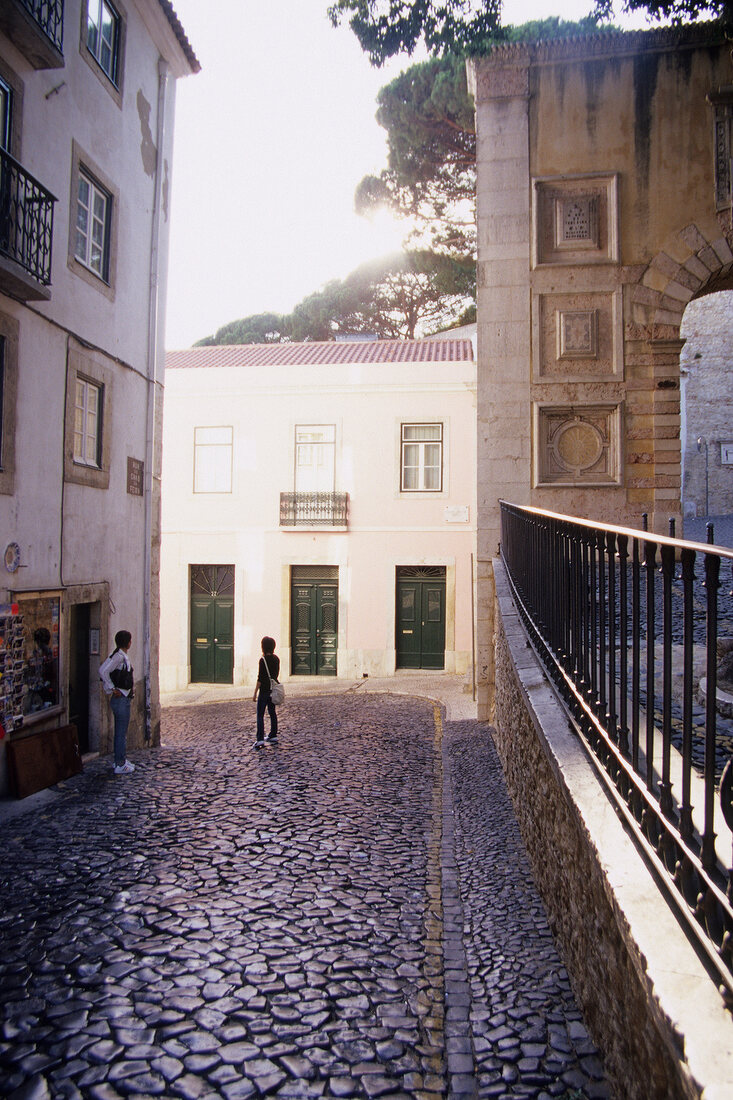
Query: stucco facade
x=90, y=125
x=604, y=208
x=347, y=474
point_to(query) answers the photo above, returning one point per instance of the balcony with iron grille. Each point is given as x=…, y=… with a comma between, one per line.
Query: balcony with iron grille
x=314, y=510
x=36, y=27
x=26, y=232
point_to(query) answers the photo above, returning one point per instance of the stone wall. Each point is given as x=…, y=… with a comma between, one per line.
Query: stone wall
x=706, y=366
x=648, y=1003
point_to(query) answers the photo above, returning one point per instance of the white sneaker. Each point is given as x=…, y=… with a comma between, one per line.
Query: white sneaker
x=124, y=769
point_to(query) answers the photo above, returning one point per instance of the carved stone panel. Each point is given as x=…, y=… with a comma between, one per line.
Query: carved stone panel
x=722, y=101
x=577, y=337
x=575, y=220
x=577, y=445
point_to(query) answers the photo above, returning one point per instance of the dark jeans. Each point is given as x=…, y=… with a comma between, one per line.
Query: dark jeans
x=120, y=705
x=264, y=702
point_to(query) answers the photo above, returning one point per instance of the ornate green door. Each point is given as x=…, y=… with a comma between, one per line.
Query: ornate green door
x=314, y=620
x=420, y=617
x=212, y=624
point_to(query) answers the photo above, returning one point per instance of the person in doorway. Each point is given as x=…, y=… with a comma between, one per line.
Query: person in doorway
x=117, y=680
x=267, y=671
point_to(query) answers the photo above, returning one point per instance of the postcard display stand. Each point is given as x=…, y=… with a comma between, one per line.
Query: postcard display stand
x=38, y=760
x=12, y=681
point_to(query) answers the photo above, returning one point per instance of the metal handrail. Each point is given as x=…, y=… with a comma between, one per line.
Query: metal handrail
x=314, y=509
x=598, y=601
x=26, y=219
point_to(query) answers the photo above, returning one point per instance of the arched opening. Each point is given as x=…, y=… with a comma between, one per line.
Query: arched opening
x=706, y=415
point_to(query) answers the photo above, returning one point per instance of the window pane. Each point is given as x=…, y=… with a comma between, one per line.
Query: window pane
x=432, y=466
x=315, y=452
x=421, y=431
x=212, y=460
x=92, y=26
x=5, y=115
x=40, y=652
x=86, y=423
x=207, y=436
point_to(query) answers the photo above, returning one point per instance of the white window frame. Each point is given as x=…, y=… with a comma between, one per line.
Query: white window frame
x=93, y=221
x=95, y=12
x=213, y=458
x=421, y=465
x=317, y=455
x=87, y=449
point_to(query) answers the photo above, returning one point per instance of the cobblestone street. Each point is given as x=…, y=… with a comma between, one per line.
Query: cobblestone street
x=347, y=913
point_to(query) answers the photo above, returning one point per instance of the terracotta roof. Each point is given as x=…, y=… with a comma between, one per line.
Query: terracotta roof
x=180, y=34
x=276, y=355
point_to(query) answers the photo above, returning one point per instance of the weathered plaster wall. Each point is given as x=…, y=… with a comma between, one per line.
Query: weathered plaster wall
x=648, y=1003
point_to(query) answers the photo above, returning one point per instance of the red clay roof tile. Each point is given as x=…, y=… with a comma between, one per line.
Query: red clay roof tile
x=332, y=351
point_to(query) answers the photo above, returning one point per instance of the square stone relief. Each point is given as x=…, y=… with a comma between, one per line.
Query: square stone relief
x=577, y=337
x=577, y=445
x=575, y=220
x=577, y=333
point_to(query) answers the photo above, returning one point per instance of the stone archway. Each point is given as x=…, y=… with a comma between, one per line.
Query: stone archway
x=604, y=207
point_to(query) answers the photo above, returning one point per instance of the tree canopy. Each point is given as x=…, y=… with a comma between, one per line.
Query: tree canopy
x=428, y=115
x=431, y=155
x=402, y=296
x=386, y=28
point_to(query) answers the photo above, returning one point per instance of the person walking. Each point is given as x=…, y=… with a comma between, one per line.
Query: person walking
x=267, y=671
x=117, y=679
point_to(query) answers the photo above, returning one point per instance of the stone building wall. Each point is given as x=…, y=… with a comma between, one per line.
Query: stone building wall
x=604, y=207
x=706, y=366
x=649, y=1005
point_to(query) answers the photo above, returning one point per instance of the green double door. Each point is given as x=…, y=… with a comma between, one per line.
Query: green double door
x=420, y=618
x=314, y=620
x=212, y=624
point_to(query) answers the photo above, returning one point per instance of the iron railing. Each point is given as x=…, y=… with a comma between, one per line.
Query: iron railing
x=26, y=219
x=314, y=509
x=49, y=16
x=620, y=618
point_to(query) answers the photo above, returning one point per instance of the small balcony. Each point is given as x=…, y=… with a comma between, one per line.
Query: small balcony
x=26, y=232
x=314, y=509
x=36, y=27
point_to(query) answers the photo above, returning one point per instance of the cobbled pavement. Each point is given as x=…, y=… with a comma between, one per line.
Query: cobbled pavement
x=348, y=913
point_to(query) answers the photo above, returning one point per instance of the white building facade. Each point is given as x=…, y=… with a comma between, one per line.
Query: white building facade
x=86, y=122
x=322, y=494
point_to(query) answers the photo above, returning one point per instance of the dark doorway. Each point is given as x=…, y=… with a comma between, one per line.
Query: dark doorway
x=420, y=617
x=212, y=624
x=79, y=622
x=314, y=620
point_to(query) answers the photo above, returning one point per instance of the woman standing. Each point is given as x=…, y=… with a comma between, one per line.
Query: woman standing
x=267, y=671
x=116, y=676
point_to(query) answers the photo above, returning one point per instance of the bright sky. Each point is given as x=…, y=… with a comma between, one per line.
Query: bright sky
x=271, y=139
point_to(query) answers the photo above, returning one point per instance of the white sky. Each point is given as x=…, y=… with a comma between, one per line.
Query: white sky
x=271, y=139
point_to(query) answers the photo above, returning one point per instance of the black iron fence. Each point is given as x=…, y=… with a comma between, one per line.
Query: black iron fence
x=26, y=219
x=627, y=624
x=314, y=509
x=49, y=15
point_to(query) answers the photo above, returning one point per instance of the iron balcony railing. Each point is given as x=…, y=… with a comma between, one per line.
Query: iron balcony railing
x=26, y=219
x=314, y=509
x=49, y=16
x=625, y=622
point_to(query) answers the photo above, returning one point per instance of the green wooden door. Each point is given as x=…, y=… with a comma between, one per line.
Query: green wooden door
x=420, y=617
x=212, y=624
x=314, y=620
